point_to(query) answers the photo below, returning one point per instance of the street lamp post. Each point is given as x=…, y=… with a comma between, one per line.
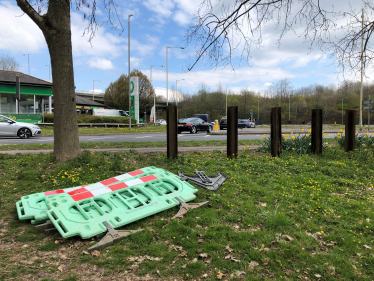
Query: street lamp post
x=49, y=71
x=154, y=94
x=167, y=74
x=93, y=92
x=342, y=110
x=129, y=72
x=176, y=91
x=28, y=61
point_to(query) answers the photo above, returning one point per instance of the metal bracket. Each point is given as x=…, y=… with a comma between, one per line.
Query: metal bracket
x=201, y=179
x=185, y=207
x=47, y=227
x=111, y=236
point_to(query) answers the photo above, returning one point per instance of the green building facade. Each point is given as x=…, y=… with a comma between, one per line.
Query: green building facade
x=35, y=93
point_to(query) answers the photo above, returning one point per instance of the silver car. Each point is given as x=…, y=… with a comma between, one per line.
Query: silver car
x=10, y=127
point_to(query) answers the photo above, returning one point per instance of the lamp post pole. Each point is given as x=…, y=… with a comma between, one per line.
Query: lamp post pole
x=93, y=89
x=154, y=94
x=129, y=72
x=28, y=61
x=258, y=109
x=167, y=72
x=176, y=91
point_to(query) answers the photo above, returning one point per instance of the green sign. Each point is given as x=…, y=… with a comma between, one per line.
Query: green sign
x=27, y=90
x=27, y=118
x=94, y=107
x=132, y=112
x=132, y=86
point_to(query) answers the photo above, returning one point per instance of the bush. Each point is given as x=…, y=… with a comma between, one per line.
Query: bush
x=364, y=140
x=298, y=143
x=48, y=118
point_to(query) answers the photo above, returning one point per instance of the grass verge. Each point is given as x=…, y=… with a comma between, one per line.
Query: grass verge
x=295, y=217
x=98, y=145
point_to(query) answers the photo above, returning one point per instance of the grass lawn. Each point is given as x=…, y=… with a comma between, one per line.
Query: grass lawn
x=297, y=217
x=48, y=130
x=92, y=145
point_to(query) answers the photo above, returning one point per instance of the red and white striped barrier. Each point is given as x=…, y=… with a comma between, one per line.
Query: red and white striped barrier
x=96, y=186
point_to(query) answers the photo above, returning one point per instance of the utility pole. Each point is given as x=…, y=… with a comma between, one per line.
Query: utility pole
x=129, y=72
x=362, y=66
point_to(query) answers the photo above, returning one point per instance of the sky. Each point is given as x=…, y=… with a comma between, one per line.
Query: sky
x=158, y=24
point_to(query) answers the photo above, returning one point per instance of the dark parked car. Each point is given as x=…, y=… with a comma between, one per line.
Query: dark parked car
x=248, y=123
x=223, y=123
x=193, y=125
x=242, y=123
x=205, y=117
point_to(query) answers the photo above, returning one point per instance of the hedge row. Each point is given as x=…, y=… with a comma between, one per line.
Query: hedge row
x=48, y=118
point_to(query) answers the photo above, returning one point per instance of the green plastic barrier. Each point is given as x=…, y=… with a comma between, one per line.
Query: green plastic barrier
x=142, y=197
x=35, y=206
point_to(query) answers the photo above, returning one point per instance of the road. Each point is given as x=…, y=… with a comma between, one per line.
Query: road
x=140, y=137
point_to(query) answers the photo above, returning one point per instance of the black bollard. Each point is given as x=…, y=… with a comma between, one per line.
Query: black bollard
x=171, y=134
x=232, y=131
x=276, y=131
x=316, y=145
x=350, y=130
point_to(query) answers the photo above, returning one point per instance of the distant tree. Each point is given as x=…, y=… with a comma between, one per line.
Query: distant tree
x=281, y=89
x=117, y=94
x=9, y=63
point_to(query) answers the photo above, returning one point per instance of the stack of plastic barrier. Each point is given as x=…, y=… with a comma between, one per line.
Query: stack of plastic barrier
x=86, y=210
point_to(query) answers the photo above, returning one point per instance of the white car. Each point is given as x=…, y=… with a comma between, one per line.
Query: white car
x=10, y=127
x=161, y=122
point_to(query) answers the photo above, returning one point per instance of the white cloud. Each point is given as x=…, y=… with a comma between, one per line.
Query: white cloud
x=103, y=44
x=19, y=33
x=252, y=78
x=101, y=64
x=268, y=84
x=135, y=62
x=97, y=92
x=161, y=7
x=147, y=48
x=182, y=17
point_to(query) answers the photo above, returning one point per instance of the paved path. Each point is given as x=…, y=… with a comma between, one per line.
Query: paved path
x=245, y=134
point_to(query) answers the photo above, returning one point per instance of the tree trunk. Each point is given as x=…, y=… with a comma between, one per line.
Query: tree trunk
x=66, y=138
x=56, y=29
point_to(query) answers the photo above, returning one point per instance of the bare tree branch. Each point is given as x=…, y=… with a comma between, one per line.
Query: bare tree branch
x=222, y=28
